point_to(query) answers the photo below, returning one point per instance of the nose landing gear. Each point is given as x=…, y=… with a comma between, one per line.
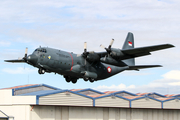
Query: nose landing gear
x=41, y=71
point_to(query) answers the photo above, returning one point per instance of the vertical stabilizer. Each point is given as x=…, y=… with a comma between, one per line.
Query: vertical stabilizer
x=129, y=44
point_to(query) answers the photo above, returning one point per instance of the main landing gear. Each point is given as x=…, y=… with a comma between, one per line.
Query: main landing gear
x=69, y=79
x=90, y=79
x=41, y=71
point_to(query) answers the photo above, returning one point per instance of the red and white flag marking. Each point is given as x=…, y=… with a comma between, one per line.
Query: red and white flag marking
x=130, y=43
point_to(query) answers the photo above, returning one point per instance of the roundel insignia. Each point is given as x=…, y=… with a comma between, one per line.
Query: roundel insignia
x=49, y=57
x=109, y=69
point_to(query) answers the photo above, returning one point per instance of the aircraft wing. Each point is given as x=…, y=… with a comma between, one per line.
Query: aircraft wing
x=137, y=67
x=16, y=61
x=142, y=51
x=138, y=52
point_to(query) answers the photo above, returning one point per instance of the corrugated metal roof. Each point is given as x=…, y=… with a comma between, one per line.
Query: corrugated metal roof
x=20, y=86
x=38, y=92
x=109, y=92
x=171, y=95
x=95, y=96
x=142, y=94
x=162, y=99
x=76, y=89
x=132, y=97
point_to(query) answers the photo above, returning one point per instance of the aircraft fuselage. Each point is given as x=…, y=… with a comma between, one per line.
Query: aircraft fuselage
x=72, y=65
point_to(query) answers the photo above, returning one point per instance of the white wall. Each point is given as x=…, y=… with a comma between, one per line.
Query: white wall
x=6, y=97
x=94, y=113
x=19, y=112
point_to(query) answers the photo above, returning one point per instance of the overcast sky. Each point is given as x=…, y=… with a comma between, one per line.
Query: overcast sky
x=67, y=24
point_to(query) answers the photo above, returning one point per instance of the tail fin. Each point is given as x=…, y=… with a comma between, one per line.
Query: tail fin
x=129, y=44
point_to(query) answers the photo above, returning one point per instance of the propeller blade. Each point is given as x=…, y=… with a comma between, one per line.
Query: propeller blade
x=26, y=51
x=85, y=46
x=102, y=46
x=111, y=43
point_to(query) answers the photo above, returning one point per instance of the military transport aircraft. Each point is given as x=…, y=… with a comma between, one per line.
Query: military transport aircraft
x=92, y=66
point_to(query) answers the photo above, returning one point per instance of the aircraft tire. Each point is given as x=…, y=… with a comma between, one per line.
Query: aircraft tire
x=41, y=71
x=74, y=81
x=86, y=79
x=91, y=80
x=68, y=80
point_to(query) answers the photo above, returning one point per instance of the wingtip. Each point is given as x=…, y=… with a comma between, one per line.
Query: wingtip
x=170, y=45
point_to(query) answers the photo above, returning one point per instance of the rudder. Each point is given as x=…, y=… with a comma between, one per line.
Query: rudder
x=129, y=44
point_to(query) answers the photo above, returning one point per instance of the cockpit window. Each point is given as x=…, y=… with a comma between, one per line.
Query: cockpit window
x=41, y=50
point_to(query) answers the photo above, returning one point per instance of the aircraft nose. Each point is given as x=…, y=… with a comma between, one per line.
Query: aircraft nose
x=32, y=59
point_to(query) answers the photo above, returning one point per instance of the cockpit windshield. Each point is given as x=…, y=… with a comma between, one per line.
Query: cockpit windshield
x=41, y=50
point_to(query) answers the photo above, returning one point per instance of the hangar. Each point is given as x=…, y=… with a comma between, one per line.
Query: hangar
x=44, y=102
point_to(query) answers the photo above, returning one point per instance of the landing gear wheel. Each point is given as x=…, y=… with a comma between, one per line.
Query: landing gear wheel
x=41, y=71
x=91, y=80
x=74, y=81
x=85, y=78
x=68, y=80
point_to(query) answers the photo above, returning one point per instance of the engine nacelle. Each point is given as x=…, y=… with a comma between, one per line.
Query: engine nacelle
x=116, y=53
x=93, y=57
x=111, y=61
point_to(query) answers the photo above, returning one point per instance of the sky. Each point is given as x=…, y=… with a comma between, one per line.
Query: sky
x=67, y=24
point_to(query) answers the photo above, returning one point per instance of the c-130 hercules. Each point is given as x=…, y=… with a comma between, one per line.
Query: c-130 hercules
x=92, y=66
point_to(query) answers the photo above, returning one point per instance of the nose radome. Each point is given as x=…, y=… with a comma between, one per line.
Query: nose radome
x=32, y=59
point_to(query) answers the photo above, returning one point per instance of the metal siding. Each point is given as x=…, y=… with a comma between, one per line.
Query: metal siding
x=155, y=96
x=31, y=89
x=65, y=99
x=137, y=114
x=145, y=103
x=124, y=94
x=83, y=113
x=111, y=102
x=105, y=113
x=113, y=113
x=89, y=92
x=172, y=104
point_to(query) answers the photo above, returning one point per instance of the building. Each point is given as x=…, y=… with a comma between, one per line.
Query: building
x=44, y=102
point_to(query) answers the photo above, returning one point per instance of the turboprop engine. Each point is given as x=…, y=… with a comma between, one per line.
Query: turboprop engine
x=116, y=53
x=93, y=57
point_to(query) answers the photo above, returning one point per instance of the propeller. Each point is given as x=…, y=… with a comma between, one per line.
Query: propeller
x=109, y=48
x=25, y=56
x=85, y=53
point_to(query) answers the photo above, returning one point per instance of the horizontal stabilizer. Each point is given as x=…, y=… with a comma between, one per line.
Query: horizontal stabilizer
x=141, y=51
x=137, y=67
x=15, y=61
